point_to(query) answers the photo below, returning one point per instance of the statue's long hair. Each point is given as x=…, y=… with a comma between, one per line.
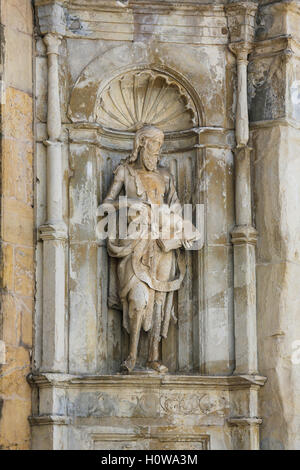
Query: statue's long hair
x=141, y=134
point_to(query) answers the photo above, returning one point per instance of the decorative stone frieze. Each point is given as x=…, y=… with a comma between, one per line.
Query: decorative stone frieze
x=146, y=408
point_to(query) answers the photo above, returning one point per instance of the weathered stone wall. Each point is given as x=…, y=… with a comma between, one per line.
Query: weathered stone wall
x=273, y=95
x=17, y=216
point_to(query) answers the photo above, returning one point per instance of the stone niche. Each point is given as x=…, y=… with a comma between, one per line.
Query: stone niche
x=117, y=68
x=140, y=95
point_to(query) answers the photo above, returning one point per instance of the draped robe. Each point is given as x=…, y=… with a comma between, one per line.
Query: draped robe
x=143, y=260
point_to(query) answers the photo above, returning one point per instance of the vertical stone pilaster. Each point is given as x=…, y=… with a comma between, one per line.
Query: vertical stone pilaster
x=243, y=212
x=244, y=241
x=275, y=124
x=241, y=25
x=54, y=231
x=241, y=51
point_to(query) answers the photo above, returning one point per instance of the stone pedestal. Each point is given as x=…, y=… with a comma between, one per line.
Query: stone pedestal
x=126, y=412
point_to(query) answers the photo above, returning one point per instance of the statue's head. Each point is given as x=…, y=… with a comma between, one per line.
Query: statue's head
x=147, y=145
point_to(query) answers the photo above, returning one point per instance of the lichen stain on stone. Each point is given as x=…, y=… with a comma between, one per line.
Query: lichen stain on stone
x=266, y=89
x=76, y=25
x=264, y=23
x=83, y=100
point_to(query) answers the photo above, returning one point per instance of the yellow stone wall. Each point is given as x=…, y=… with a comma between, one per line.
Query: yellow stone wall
x=17, y=222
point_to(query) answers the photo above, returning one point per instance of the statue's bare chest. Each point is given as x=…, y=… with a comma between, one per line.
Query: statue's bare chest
x=154, y=185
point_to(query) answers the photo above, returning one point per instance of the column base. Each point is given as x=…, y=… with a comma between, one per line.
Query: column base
x=54, y=231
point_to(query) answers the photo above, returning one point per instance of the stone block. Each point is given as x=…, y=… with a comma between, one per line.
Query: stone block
x=17, y=224
x=11, y=320
x=14, y=425
x=2, y=353
x=26, y=322
x=17, y=114
x=17, y=14
x=8, y=267
x=24, y=271
x=13, y=381
x=18, y=170
x=18, y=73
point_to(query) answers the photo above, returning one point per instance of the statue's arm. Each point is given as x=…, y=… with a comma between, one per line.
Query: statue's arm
x=116, y=185
x=174, y=202
x=172, y=197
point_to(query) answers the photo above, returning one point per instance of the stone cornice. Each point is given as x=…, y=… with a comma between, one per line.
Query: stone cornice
x=92, y=17
x=212, y=137
x=285, y=122
x=172, y=381
x=124, y=5
x=284, y=44
x=283, y=5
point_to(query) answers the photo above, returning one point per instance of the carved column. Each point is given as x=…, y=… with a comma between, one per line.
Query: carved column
x=244, y=236
x=53, y=232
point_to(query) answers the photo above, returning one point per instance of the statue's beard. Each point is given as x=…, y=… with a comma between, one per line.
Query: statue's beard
x=150, y=161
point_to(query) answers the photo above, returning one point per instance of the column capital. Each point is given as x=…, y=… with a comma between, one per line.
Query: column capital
x=242, y=151
x=241, y=50
x=52, y=42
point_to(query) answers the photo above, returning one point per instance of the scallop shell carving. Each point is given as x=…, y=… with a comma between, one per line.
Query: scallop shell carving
x=136, y=99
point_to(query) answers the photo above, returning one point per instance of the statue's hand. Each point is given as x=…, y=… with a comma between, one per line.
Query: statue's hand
x=188, y=244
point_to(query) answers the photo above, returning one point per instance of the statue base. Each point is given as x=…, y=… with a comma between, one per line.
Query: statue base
x=147, y=372
x=144, y=371
x=145, y=411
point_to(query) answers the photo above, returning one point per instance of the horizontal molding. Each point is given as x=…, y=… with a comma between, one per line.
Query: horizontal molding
x=204, y=137
x=286, y=122
x=49, y=420
x=180, y=7
x=277, y=45
x=96, y=20
x=143, y=380
x=244, y=421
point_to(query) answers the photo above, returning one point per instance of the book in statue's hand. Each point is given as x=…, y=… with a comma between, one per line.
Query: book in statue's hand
x=169, y=244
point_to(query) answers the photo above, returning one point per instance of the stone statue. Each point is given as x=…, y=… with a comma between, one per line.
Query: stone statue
x=149, y=270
